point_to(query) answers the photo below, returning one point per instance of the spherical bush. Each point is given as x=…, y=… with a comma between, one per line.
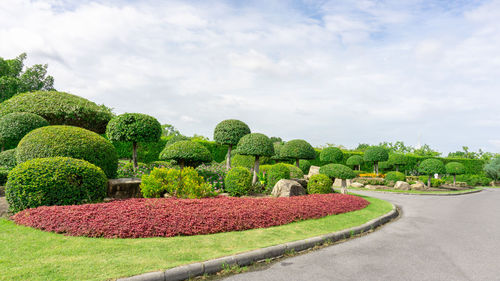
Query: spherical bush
x=298, y=149
x=54, y=181
x=354, y=160
x=189, y=152
x=69, y=141
x=453, y=168
x=238, y=181
x=60, y=108
x=8, y=158
x=376, y=154
x=337, y=171
x=276, y=173
x=14, y=126
x=397, y=159
x=395, y=176
x=134, y=127
x=255, y=144
x=319, y=184
x=331, y=155
x=431, y=166
x=230, y=131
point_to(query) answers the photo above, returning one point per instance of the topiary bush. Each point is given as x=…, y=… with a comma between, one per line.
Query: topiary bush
x=397, y=160
x=60, y=108
x=454, y=168
x=319, y=184
x=355, y=161
x=229, y=132
x=8, y=158
x=187, y=153
x=338, y=171
x=430, y=167
x=246, y=161
x=297, y=149
x=14, y=126
x=54, y=181
x=295, y=173
x=331, y=155
x=257, y=145
x=375, y=154
x=238, y=181
x=394, y=177
x=69, y=141
x=277, y=149
x=305, y=165
x=277, y=172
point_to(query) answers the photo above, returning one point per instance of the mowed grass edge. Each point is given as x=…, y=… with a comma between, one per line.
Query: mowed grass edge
x=30, y=254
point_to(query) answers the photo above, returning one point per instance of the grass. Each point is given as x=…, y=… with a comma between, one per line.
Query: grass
x=30, y=254
x=419, y=191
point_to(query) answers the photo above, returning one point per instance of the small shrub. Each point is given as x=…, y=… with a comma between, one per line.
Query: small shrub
x=238, y=181
x=277, y=172
x=319, y=184
x=305, y=165
x=434, y=182
x=8, y=158
x=474, y=180
x=370, y=181
x=331, y=155
x=54, y=181
x=126, y=170
x=394, y=177
x=187, y=153
x=246, y=161
x=14, y=126
x=295, y=173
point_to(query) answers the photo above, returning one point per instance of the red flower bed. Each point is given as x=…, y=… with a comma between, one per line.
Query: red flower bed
x=134, y=218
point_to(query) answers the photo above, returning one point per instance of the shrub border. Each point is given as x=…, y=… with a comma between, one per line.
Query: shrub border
x=425, y=194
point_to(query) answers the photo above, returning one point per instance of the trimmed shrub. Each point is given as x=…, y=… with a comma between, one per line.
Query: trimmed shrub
x=277, y=172
x=430, y=167
x=384, y=166
x=331, y=155
x=297, y=149
x=455, y=168
x=397, y=160
x=375, y=154
x=434, y=182
x=54, y=181
x=394, y=177
x=355, y=160
x=474, y=180
x=295, y=173
x=60, y=108
x=69, y=141
x=305, y=165
x=246, y=161
x=187, y=153
x=319, y=184
x=229, y=132
x=238, y=181
x=8, y=158
x=339, y=171
x=14, y=126
x=257, y=145
x=277, y=149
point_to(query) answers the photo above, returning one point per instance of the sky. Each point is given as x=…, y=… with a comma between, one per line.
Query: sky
x=338, y=72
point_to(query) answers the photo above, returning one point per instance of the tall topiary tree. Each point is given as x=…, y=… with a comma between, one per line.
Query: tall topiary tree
x=338, y=171
x=376, y=154
x=186, y=153
x=277, y=149
x=297, y=149
x=455, y=168
x=331, y=155
x=492, y=169
x=229, y=132
x=257, y=145
x=355, y=160
x=397, y=160
x=14, y=126
x=134, y=128
x=431, y=167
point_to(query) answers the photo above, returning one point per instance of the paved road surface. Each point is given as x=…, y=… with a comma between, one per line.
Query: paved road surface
x=436, y=238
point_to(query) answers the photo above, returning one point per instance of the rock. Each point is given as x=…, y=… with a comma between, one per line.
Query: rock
x=402, y=185
x=313, y=170
x=357, y=184
x=124, y=188
x=338, y=183
x=418, y=186
x=287, y=188
x=302, y=182
x=369, y=186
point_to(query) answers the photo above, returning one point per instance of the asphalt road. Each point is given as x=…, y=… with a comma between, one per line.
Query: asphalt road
x=436, y=238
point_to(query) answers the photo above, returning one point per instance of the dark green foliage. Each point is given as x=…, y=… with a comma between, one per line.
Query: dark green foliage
x=434, y=182
x=175, y=139
x=230, y=131
x=319, y=184
x=69, y=141
x=134, y=127
x=354, y=160
x=147, y=152
x=431, y=166
x=295, y=172
x=337, y=171
x=238, y=181
x=246, y=161
x=8, y=158
x=189, y=152
x=4, y=172
x=384, y=165
x=331, y=155
x=276, y=139
x=492, y=169
x=376, y=154
x=297, y=149
x=474, y=180
x=277, y=172
x=394, y=177
x=54, y=181
x=304, y=165
x=217, y=151
x=255, y=144
x=60, y=108
x=14, y=126
x=455, y=168
x=397, y=159
x=277, y=149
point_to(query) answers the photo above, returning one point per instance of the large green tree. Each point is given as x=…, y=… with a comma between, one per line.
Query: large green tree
x=14, y=80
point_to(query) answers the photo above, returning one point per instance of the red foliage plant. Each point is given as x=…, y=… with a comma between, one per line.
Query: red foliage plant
x=166, y=217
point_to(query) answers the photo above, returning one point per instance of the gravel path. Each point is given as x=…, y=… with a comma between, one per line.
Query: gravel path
x=3, y=207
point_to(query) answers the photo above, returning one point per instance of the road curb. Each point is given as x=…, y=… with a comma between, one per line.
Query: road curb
x=423, y=194
x=213, y=266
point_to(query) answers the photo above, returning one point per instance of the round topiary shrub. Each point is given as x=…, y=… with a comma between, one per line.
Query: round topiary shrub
x=229, y=132
x=54, y=181
x=355, y=161
x=238, y=181
x=8, y=158
x=60, y=108
x=331, y=155
x=394, y=177
x=277, y=172
x=277, y=149
x=455, y=168
x=186, y=153
x=246, y=161
x=69, y=141
x=397, y=160
x=295, y=173
x=257, y=145
x=305, y=165
x=319, y=184
x=375, y=154
x=338, y=171
x=297, y=149
x=14, y=126
x=431, y=167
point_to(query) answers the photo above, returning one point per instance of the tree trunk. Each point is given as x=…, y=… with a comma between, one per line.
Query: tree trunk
x=454, y=180
x=429, y=182
x=182, y=164
x=297, y=163
x=359, y=167
x=344, y=186
x=375, y=165
x=397, y=170
x=228, y=160
x=134, y=155
x=255, y=170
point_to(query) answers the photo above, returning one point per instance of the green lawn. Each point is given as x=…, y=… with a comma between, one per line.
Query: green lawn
x=29, y=254
x=418, y=191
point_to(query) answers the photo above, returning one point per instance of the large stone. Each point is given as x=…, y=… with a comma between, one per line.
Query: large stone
x=124, y=188
x=313, y=170
x=302, y=182
x=418, y=186
x=357, y=184
x=338, y=183
x=402, y=185
x=287, y=188
x=369, y=186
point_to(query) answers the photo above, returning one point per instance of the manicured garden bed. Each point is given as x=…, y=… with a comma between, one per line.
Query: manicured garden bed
x=434, y=191
x=167, y=217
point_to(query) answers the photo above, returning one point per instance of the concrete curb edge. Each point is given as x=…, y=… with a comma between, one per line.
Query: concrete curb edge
x=213, y=266
x=424, y=194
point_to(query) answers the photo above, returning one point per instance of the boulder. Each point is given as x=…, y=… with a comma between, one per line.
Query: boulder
x=369, y=186
x=302, y=182
x=418, y=186
x=338, y=183
x=357, y=184
x=313, y=170
x=287, y=188
x=124, y=188
x=402, y=185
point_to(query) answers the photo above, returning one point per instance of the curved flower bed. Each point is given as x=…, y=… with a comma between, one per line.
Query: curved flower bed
x=134, y=218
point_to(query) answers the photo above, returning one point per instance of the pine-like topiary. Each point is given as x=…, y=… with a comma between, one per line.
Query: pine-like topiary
x=319, y=184
x=375, y=154
x=186, y=153
x=431, y=167
x=455, y=168
x=297, y=149
x=257, y=145
x=238, y=181
x=69, y=141
x=14, y=126
x=338, y=171
x=355, y=161
x=397, y=160
x=229, y=132
x=331, y=155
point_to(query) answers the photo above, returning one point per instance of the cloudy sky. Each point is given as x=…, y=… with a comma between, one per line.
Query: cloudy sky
x=341, y=72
